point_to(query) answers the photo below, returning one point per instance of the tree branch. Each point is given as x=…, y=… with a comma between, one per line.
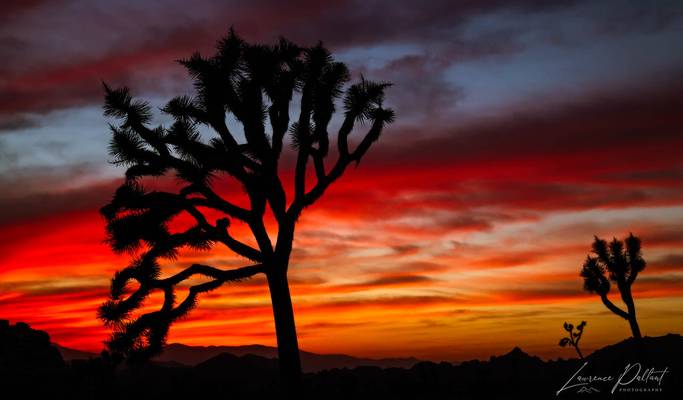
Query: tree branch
x=618, y=311
x=212, y=272
x=153, y=326
x=279, y=120
x=318, y=163
x=344, y=159
x=262, y=238
x=277, y=197
x=213, y=200
x=368, y=140
x=221, y=234
x=303, y=134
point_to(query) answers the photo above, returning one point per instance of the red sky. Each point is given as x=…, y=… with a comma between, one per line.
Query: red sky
x=523, y=130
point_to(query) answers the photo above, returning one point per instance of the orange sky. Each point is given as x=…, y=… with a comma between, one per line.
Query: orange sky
x=386, y=275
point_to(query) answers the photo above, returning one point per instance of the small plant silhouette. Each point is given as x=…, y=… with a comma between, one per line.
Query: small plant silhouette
x=622, y=261
x=574, y=337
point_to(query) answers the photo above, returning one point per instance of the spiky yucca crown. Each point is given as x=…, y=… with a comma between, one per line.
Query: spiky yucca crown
x=617, y=261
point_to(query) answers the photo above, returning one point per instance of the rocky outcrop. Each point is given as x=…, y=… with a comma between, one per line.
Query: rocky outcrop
x=24, y=348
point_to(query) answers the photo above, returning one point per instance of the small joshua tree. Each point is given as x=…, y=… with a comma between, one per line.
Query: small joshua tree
x=621, y=261
x=574, y=337
x=254, y=84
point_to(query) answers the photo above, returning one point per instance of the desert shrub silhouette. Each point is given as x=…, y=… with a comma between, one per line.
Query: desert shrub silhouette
x=574, y=337
x=621, y=261
x=25, y=348
x=255, y=84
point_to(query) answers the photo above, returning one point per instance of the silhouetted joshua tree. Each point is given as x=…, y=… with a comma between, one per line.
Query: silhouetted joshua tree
x=255, y=84
x=574, y=337
x=622, y=264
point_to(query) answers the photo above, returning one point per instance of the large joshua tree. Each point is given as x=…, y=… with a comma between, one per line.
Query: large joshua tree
x=621, y=261
x=255, y=84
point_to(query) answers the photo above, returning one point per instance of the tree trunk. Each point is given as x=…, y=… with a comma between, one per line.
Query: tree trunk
x=634, y=327
x=285, y=329
x=627, y=297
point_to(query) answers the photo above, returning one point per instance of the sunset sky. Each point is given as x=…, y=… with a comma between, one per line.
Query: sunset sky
x=523, y=129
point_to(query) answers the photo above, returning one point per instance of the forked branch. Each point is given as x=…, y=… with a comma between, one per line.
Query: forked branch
x=140, y=337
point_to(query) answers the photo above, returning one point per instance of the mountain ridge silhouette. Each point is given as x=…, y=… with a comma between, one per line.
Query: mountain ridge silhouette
x=512, y=375
x=187, y=355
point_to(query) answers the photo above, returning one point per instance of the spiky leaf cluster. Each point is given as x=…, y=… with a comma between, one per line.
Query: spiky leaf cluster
x=620, y=261
x=593, y=274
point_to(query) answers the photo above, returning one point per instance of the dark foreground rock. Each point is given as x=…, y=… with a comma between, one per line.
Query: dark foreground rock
x=23, y=348
x=651, y=369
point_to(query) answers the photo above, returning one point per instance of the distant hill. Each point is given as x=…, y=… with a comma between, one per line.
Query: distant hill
x=69, y=354
x=311, y=362
x=180, y=354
